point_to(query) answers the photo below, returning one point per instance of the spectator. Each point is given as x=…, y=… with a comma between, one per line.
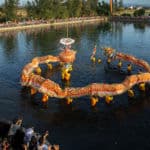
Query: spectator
x=13, y=128
x=42, y=145
x=4, y=145
x=28, y=135
x=55, y=147
x=18, y=140
x=33, y=143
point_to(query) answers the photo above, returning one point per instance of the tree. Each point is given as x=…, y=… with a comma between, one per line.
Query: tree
x=47, y=9
x=62, y=8
x=139, y=12
x=69, y=5
x=103, y=9
x=120, y=3
x=87, y=8
x=74, y=8
x=77, y=8
x=2, y=15
x=94, y=7
x=59, y=9
x=10, y=9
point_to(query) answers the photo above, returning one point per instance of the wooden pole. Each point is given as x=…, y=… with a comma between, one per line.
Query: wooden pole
x=111, y=7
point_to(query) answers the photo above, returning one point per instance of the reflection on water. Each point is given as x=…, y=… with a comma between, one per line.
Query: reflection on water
x=12, y=46
x=117, y=124
x=140, y=26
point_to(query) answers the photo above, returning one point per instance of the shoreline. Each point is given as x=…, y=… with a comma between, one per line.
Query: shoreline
x=42, y=25
x=130, y=19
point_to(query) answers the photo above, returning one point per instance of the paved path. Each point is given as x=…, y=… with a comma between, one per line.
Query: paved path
x=22, y=27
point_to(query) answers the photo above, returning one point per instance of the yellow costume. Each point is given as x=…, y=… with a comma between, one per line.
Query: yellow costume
x=119, y=64
x=94, y=101
x=130, y=93
x=93, y=59
x=69, y=100
x=108, y=99
x=38, y=70
x=50, y=66
x=129, y=68
x=33, y=91
x=142, y=86
x=99, y=60
x=45, y=98
x=109, y=60
x=65, y=73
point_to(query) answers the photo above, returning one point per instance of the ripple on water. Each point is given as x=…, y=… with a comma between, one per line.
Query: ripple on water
x=124, y=124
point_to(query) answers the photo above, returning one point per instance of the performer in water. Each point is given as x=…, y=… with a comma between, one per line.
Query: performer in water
x=93, y=54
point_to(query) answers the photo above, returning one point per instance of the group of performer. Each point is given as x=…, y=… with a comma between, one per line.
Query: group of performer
x=109, y=52
x=31, y=77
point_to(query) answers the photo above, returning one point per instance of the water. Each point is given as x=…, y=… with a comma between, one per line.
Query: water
x=145, y=3
x=122, y=125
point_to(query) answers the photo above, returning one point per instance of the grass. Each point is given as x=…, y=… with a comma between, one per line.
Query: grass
x=128, y=11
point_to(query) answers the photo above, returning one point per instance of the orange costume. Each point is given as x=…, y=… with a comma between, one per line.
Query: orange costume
x=50, y=88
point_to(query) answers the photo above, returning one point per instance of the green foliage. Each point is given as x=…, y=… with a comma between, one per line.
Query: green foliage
x=77, y=8
x=126, y=14
x=139, y=12
x=74, y=8
x=90, y=7
x=1, y=9
x=118, y=5
x=48, y=9
x=54, y=9
x=10, y=8
x=103, y=9
x=2, y=19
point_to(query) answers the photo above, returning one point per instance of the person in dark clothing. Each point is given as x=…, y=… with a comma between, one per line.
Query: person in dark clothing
x=33, y=143
x=18, y=140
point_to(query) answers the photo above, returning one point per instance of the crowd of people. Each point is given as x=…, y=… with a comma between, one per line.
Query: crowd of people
x=19, y=138
x=42, y=21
